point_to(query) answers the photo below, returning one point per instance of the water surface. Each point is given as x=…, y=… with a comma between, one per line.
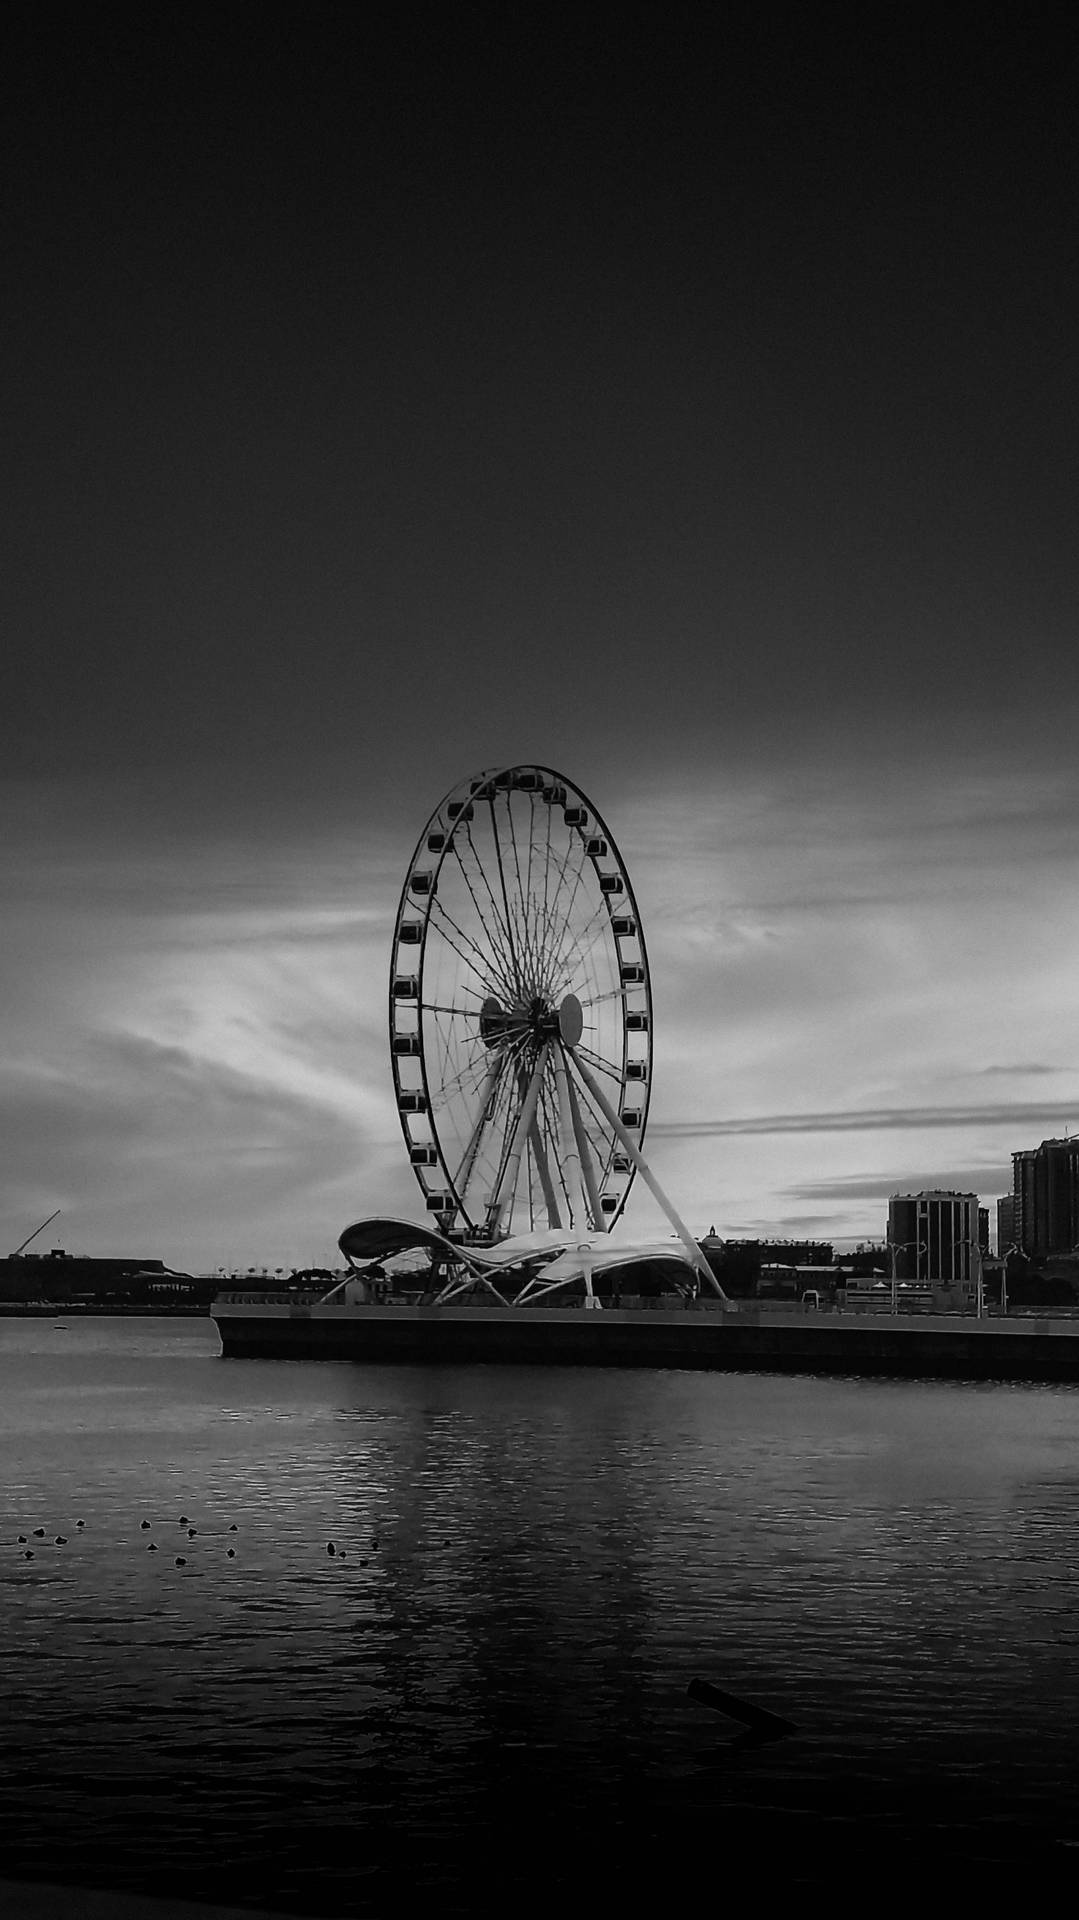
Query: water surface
x=480, y=1697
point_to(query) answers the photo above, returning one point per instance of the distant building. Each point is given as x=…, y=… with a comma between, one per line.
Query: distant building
x=1005, y=1224
x=780, y=1280
x=63, y=1278
x=936, y=1240
x=983, y=1229
x=737, y=1264
x=1023, y=1198
x=864, y=1262
x=1045, y=1196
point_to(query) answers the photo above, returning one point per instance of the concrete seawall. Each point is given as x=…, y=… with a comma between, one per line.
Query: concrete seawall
x=948, y=1347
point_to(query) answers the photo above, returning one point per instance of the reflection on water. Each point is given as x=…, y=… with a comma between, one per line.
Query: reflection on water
x=481, y=1692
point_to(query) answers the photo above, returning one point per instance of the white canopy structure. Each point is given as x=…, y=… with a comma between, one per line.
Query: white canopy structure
x=525, y=1267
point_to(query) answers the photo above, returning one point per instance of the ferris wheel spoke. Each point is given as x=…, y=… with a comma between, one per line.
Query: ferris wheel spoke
x=596, y=1060
x=531, y=928
x=546, y=866
x=525, y=922
x=531, y=851
x=521, y=895
x=585, y=937
x=457, y=1013
x=551, y=908
x=481, y=965
x=537, y=957
x=600, y=999
x=576, y=956
x=483, y=1146
x=578, y=877
x=559, y=914
x=514, y=961
x=494, y=934
x=487, y=1099
x=464, y=1079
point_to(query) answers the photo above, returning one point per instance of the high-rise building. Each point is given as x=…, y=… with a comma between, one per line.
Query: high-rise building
x=983, y=1229
x=1045, y=1191
x=935, y=1237
x=1005, y=1224
x=1023, y=1198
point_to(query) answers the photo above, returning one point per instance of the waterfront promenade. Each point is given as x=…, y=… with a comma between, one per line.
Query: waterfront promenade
x=701, y=1334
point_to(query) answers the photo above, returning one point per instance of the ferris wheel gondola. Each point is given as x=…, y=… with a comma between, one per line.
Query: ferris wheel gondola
x=520, y=1010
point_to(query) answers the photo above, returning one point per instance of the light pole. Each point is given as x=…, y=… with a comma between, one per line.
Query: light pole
x=1004, y=1277
x=979, y=1302
x=893, y=1250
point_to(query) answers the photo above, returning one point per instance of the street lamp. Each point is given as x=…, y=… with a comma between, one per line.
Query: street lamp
x=978, y=1267
x=1004, y=1276
x=901, y=1248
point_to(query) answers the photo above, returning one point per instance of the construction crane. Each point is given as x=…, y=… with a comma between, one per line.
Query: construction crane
x=34, y=1235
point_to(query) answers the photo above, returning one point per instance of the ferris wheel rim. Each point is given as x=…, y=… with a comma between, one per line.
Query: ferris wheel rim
x=505, y=1020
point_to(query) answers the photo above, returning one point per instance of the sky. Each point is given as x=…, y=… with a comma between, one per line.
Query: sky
x=688, y=405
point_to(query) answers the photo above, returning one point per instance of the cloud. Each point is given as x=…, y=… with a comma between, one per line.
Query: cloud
x=1023, y=1069
x=140, y=1142
x=195, y=1054
x=834, y=1227
x=869, y=1120
x=983, y=1179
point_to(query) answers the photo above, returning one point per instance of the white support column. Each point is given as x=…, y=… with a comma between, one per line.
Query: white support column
x=588, y=1171
x=539, y=1155
x=649, y=1178
x=571, y=1159
x=508, y=1182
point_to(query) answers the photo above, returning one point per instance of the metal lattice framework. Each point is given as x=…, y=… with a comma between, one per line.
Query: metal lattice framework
x=520, y=1011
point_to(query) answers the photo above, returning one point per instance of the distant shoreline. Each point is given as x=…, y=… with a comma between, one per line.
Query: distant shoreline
x=98, y=1309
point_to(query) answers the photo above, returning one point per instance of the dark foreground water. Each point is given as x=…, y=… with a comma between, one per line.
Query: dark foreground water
x=479, y=1702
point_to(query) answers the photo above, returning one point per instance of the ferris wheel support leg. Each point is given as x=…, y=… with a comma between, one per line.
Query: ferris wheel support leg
x=464, y=1171
x=645, y=1171
x=571, y=1159
x=587, y=1169
x=504, y=1192
x=539, y=1155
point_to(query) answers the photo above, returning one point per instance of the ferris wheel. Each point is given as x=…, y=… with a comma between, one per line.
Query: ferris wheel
x=520, y=1011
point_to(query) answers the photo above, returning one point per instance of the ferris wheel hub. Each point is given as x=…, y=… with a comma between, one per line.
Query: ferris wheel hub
x=570, y=1020
x=494, y=1022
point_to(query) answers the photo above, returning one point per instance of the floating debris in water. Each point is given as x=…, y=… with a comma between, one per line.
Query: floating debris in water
x=760, y=1720
x=180, y=1561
